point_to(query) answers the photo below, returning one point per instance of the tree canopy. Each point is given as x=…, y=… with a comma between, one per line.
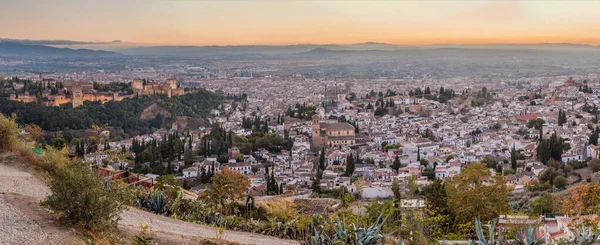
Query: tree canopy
x=476, y=193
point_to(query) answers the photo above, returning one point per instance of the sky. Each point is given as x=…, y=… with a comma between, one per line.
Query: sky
x=283, y=22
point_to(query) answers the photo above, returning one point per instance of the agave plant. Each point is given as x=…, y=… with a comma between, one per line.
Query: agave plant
x=360, y=236
x=371, y=235
x=156, y=203
x=528, y=236
x=321, y=239
x=585, y=237
x=340, y=231
x=481, y=237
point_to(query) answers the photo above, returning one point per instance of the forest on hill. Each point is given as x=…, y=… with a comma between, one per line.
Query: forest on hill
x=123, y=114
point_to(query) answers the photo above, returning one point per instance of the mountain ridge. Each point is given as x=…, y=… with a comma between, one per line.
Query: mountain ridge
x=20, y=49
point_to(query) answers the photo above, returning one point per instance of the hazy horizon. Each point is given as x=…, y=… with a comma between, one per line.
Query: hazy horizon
x=223, y=23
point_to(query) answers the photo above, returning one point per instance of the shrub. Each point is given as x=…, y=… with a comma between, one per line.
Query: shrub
x=8, y=134
x=560, y=182
x=81, y=198
x=595, y=164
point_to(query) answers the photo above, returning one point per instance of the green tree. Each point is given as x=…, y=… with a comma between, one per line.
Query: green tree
x=396, y=164
x=59, y=143
x=397, y=199
x=513, y=158
x=542, y=205
x=562, y=117
x=322, y=165
x=167, y=184
x=476, y=193
x=226, y=186
x=316, y=184
x=437, y=199
x=595, y=164
x=538, y=124
x=350, y=166
x=593, y=138
x=412, y=185
x=560, y=182
x=551, y=148
x=83, y=199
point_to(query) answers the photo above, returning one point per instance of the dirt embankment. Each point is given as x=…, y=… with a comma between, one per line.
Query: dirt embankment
x=153, y=111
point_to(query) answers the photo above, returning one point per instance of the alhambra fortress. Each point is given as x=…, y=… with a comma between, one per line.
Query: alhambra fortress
x=78, y=92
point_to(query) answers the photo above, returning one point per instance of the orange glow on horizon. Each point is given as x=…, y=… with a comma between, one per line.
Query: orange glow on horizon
x=185, y=22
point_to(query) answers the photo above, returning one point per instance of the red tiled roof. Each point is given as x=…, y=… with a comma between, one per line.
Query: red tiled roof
x=527, y=117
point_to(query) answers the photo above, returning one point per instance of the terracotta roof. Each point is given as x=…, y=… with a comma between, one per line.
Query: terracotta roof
x=527, y=117
x=337, y=126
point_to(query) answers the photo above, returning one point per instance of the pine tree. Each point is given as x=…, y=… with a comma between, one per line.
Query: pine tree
x=418, y=154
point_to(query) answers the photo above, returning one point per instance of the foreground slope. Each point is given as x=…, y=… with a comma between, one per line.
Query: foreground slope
x=24, y=221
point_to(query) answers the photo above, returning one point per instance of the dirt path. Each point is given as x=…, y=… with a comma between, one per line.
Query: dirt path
x=24, y=221
x=186, y=232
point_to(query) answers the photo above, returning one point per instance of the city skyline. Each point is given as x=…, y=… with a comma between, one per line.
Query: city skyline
x=188, y=22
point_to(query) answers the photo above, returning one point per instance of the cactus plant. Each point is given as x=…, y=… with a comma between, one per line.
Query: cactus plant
x=481, y=237
x=585, y=237
x=156, y=203
x=361, y=236
x=321, y=239
x=528, y=236
x=371, y=235
x=340, y=231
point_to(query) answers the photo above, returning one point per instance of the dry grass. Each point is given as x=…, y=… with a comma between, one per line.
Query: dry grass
x=51, y=161
x=280, y=209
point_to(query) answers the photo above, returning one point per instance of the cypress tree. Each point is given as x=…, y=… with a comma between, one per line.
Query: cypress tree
x=513, y=158
x=316, y=184
x=322, y=165
x=396, y=164
x=349, y=165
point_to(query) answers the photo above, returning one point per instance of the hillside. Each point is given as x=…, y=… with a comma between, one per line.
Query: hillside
x=24, y=221
x=125, y=114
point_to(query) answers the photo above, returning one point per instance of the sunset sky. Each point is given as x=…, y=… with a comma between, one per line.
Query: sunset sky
x=229, y=22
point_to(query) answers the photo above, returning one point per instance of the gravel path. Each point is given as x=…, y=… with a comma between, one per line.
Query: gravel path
x=15, y=228
x=22, y=220
x=13, y=179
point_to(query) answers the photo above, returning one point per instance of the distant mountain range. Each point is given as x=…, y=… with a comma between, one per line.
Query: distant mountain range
x=314, y=48
x=55, y=42
x=20, y=49
x=55, y=47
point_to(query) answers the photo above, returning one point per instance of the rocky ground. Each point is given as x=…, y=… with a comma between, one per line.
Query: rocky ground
x=24, y=221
